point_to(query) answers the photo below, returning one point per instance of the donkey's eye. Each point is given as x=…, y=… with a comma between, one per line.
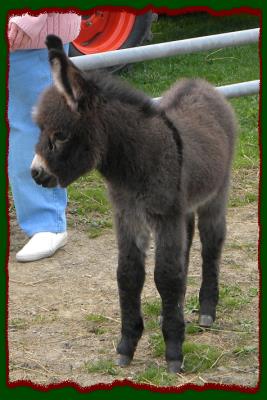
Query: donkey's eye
x=51, y=145
x=61, y=136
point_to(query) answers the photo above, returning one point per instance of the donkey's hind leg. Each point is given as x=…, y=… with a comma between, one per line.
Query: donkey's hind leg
x=212, y=229
x=133, y=238
x=170, y=276
x=190, y=229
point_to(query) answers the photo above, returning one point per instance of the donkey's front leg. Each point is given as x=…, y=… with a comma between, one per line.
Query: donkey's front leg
x=133, y=237
x=170, y=279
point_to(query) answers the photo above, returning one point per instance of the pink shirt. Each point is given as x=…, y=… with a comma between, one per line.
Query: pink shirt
x=67, y=26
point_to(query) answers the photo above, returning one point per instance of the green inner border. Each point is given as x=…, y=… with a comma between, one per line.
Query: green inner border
x=127, y=391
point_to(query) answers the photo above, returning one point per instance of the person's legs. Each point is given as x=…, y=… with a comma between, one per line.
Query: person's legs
x=38, y=209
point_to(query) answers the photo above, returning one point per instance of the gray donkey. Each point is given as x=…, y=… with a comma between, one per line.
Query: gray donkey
x=163, y=162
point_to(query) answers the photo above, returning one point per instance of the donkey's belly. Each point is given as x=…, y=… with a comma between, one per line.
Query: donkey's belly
x=198, y=201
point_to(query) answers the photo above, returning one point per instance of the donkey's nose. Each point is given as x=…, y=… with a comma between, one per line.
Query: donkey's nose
x=36, y=173
x=43, y=178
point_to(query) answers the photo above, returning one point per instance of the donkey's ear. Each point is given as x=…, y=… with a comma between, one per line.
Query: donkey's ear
x=68, y=79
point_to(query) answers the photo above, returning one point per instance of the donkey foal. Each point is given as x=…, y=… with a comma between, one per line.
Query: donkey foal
x=162, y=163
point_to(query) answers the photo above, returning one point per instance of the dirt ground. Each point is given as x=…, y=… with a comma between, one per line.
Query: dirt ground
x=51, y=339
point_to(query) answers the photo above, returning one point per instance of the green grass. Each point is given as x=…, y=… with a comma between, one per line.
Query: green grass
x=89, y=205
x=95, y=318
x=191, y=304
x=199, y=357
x=151, y=311
x=192, y=329
x=152, y=308
x=243, y=200
x=219, y=67
x=253, y=292
x=244, y=351
x=247, y=149
x=102, y=366
x=18, y=324
x=154, y=77
x=97, y=324
x=246, y=325
x=232, y=297
x=23, y=324
x=157, y=345
x=44, y=319
x=89, y=208
x=200, y=24
x=155, y=375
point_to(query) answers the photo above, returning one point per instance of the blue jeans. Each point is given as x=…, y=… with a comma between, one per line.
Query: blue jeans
x=38, y=209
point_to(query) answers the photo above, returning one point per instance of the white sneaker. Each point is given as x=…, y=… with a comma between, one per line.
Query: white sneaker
x=41, y=245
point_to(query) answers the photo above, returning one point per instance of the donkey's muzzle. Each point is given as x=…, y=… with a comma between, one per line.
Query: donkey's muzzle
x=43, y=178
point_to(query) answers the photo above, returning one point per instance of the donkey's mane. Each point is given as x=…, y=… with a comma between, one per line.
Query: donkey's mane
x=112, y=88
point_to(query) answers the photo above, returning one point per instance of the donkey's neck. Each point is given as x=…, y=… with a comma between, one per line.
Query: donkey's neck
x=124, y=161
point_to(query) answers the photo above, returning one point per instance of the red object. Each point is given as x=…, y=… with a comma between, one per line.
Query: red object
x=104, y=31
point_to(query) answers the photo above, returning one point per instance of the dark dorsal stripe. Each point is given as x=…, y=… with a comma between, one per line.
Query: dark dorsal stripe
x=176, y=136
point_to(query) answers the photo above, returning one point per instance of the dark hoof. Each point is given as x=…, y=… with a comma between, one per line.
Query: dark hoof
x=174, y=367
x=205, y=321
x=123, y=361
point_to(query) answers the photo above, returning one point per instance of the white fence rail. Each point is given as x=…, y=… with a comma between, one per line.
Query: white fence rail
x=186, y=46
x=236, y=89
